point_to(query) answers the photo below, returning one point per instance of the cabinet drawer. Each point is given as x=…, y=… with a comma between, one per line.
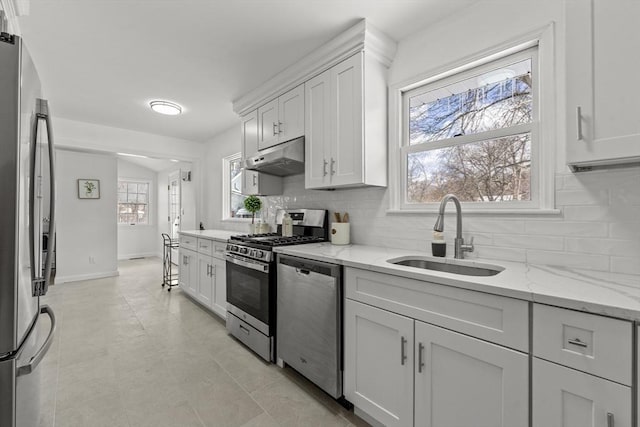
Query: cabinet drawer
x=492, y=318
x=590, y=343
x=189, y=242
x=205, y=246
x=218, y=249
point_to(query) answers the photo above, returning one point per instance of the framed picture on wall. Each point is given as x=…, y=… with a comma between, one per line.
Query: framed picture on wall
x=88, y=188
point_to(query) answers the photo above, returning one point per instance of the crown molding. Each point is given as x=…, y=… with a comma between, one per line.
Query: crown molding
x=361, y=36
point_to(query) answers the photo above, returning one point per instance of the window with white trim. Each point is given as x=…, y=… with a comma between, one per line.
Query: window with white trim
x=232, y=197
x=473, y=131
x=133, y=202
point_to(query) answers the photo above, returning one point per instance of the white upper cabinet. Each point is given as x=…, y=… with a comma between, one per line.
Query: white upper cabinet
x=249, y=133
x=602, y=62
x=291, y=114
x=346, y=137
x=281, y=119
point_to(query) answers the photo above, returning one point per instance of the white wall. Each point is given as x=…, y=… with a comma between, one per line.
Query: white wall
x=80, y=135
x=86, y=234
x=599, y=224
x=139, y=240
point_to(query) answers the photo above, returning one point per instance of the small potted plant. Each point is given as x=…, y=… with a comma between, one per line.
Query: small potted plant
x=252, y=204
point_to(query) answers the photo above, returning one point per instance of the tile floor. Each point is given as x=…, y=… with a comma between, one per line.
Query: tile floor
x=128, y=353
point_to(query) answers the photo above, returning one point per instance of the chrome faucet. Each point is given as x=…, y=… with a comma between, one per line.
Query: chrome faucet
x=460, y=247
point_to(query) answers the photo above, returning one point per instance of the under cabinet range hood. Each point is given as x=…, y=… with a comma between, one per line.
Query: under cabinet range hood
x=281, y=160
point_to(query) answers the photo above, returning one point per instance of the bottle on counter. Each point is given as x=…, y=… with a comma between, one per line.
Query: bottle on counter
x=438, y=245
x=287, y=225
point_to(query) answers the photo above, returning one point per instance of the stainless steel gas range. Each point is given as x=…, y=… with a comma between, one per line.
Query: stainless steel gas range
x=251, y=278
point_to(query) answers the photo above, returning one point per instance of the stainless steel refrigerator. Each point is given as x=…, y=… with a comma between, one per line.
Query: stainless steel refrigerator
x=27, y=216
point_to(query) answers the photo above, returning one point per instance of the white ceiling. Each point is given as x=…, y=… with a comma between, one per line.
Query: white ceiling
x=102, y=61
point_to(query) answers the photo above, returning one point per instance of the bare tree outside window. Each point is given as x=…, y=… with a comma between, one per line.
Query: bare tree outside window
x=449, y=152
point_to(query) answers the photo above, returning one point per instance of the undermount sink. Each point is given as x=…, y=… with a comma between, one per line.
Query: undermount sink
x=450, y=266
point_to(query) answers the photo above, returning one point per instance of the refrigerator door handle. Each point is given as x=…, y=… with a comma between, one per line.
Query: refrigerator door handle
x=37, y=358
x=44, y=113
x=41, y=281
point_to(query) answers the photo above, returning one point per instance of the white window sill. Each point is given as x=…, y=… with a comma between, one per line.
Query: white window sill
x=471, y=211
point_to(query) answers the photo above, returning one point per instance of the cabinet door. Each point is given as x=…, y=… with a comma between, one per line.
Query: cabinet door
x=249, y=134
x=188, y=274
x=564, y=397
x=317, y=112
x=250, y=182
x=205, y=279
x=268, y=125
x=291, y=114
x=377, y=378
x=601, y=71
x=345, y=162
x=219, y=305
x=463, y=381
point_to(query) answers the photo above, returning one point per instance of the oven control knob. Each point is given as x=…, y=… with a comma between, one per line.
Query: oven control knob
x=259, y=254
x=252, y=253
x=243, y=250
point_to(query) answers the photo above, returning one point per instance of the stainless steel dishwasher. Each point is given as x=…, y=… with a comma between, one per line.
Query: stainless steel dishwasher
x=309, y=320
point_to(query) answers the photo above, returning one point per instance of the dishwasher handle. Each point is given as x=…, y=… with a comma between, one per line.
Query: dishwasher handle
x=306, y=266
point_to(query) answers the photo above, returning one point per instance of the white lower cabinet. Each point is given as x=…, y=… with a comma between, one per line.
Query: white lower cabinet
x=464, y=381
x=396, y=367
x=206, y=279
x=564, y=397
x=378, y=359
x=188, y=274
x=203, y=275
x=219, y=302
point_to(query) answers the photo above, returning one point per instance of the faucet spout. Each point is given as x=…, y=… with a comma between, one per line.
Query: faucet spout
x=460, y=247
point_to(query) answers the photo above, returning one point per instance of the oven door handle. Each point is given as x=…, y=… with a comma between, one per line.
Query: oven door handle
x=252, y=265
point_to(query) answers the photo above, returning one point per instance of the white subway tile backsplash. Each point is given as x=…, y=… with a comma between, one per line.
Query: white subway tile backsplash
x=625, y=230
x=566, y=228
x=603, y=246
x=506, y=254
x=581, y=197
x=599, y=227
x=526, y=241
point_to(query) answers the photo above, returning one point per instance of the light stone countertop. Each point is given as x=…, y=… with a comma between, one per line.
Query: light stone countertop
x=611, y=294
x=219, y=235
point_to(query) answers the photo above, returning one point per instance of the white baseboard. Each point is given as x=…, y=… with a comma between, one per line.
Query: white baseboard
x=80, y=277
x=140, y=255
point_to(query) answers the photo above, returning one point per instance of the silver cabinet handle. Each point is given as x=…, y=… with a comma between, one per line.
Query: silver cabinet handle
x=333, y=162
x=279, y=127
x=578, y=343
x=37, y=358
x=324, y=167
x=254, y=179
x=275, y=128
x=579, y=123
x=420, y=361
x=204, y=246
x=403, y=352
x=245, y=330
x=213, y=270
x=610, y=420
x=209, y=270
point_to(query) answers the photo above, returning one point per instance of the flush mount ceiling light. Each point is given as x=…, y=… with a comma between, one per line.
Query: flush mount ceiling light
x=166, y=107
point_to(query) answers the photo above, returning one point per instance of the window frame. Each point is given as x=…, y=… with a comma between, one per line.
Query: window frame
x=542, y=127
x=226, y=188
x=149, y=203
